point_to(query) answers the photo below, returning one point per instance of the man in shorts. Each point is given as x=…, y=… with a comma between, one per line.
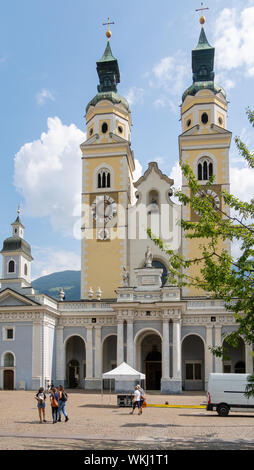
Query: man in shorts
x=136, y=401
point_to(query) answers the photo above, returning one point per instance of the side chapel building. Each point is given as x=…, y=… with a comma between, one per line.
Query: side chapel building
x=127, y=311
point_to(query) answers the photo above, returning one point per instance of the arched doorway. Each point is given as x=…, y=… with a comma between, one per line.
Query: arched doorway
x=8, y=379
x=75, y=362
x=109, y=353
x=148, y=358
x=8, y=373
x=193, y=363
x=235, y=360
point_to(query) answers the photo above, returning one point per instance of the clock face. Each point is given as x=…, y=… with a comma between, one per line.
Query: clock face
x=212, y=196
x=104, y=208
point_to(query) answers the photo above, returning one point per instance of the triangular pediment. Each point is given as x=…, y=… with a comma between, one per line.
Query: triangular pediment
x=11, y=298
x=213, y=130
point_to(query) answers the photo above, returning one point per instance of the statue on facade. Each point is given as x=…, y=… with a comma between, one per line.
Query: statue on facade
x=125, y=276
x=149, y=258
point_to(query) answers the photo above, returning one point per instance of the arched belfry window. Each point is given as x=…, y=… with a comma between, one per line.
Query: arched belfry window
x=104, y=178
x=11, y=266
x=205, y=169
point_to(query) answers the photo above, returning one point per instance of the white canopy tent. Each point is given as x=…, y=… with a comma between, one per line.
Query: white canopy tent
x=123, y=373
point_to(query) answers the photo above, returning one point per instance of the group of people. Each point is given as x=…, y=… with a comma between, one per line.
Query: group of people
x=58, y=398
x=138, y=400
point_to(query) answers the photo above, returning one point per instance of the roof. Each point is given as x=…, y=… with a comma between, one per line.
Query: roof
x=16, y=244
x=203, y=68
x=123, y=372
x=153, y=166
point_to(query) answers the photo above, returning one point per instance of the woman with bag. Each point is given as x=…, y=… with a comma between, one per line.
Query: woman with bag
x=63, y=397
x=54, y=400
x=41, y=397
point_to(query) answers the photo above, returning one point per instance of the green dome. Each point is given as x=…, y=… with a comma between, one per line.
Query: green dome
x=197, y=86
x=16, y=244
x=112, y=96
x=202, y=68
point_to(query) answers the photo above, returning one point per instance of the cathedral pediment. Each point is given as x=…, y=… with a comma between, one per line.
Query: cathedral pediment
x=9, y=297
x=195, y=131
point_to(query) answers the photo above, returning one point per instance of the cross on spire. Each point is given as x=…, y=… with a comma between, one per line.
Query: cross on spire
x=108, y=33
x=202, y=17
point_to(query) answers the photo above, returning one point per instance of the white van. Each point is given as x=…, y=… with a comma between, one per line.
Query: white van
x=226, y=392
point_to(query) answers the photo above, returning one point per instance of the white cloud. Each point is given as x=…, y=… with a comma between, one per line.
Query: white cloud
x=138, y=170
x=48, y=175
x=135, y=95
x=50, y=260
x=241, y=182
x=171, y=73
x=43, y=96
x=234, y=38
x=176, y=175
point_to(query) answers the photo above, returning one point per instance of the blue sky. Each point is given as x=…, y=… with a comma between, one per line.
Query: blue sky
x=48, y=54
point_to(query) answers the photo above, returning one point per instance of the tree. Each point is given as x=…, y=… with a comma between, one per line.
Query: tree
x=220, y=275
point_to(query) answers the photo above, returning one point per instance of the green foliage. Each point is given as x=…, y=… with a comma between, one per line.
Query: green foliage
x=220, y=274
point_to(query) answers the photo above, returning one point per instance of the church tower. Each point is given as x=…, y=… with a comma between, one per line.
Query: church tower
x=107, y=169
x=205, y=141
x=16, y=259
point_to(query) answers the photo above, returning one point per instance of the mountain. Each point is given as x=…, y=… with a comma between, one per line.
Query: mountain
x=52, y=283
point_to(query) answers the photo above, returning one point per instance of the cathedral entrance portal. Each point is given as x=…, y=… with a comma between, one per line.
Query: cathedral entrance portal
x=149, y=359
x=75, y=362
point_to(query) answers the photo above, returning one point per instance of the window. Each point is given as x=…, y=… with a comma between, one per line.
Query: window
x=205, y=169
x=9, y=333
x=104, y=128
x=193, y=370
x=104, y=179
x=25, y=269
x=204, y=118
x=11, y=266
x=8, y=360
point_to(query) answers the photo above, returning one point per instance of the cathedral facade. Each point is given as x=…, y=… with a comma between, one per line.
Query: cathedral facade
x=128, y=311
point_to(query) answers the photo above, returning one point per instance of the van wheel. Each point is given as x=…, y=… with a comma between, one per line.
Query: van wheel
x=222, y=410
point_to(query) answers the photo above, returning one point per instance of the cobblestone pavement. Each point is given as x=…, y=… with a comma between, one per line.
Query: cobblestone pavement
x=97, y=423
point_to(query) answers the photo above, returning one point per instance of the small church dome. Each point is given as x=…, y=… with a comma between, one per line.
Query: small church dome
x=16, y=244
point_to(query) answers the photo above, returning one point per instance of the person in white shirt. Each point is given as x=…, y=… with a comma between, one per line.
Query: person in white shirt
x=136, y=401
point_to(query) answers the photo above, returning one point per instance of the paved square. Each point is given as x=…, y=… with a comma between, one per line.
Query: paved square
x=97, y=423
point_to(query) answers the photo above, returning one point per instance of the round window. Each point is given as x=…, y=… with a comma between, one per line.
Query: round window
x=188, y=123
x=204, y=118
x=91, y=132
x=120, y=129
x=220, y=121
x=104, y=128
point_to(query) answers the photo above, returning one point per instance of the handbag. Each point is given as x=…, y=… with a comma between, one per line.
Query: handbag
x=144, y=404
x=54, y=402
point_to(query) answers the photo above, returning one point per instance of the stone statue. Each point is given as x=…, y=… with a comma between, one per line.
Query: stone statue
x=61, y=294
x=149, y=257
x=125, y=275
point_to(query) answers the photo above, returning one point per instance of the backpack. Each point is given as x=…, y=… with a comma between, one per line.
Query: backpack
x=64, y=396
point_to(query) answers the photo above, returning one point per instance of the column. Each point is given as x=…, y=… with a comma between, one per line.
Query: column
x=218, y=342
x=130, y=345
x=208, y=353
x=165, y=350
x=120, y=352
x=89, y=352
x=98, y=352
x=177, y=369
x=60, y=355
x=248, y=359
x=37, y=356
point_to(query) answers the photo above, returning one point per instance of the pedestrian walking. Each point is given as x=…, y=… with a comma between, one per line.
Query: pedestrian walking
x=54, y=401
x=142, y=398
x=136, y=401
x=41, y=405
x=63, y=397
